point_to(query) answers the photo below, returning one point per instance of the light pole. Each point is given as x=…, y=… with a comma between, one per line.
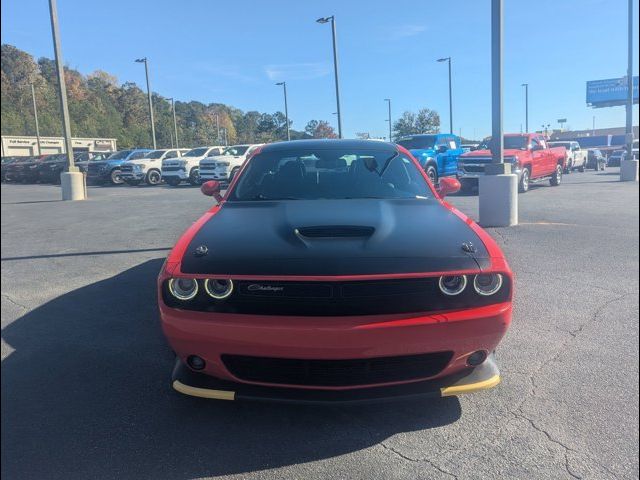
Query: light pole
x=35, y=115
x=448, y=60
x=526, y=107
x=72, y=181
x=217, y=127
x=498, y=188
x=146, y=71
x=335, y=67
x=629, y=167
x=286, y=109
x=175, y=123
x=388, y=100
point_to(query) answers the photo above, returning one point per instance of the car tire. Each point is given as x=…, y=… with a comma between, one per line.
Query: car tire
x=556, y=179
x=569, y=167
x=432, y=173
x=154, y=177
x=174, y=182
x=133, y=183
x=115, y=177
x=194, y=177
x=582, y=167
x=525, y=181
x=466, y=186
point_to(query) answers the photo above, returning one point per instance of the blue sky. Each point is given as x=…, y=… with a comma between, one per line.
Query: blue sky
x=234, y=51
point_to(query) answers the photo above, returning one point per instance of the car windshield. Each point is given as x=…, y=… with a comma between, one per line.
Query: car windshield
x=419, y=142
x=236, y=151
x=155, y=154
x=330, y=174
x=511, y=142
x=120, y=155
x=566, y=145
x=196, y=152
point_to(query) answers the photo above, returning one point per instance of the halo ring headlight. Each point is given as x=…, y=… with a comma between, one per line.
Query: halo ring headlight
x=218, y=288
x=452, y=284
x=183, y=288
x=487, y=284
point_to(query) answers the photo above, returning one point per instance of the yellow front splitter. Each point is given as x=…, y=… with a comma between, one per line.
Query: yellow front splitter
x=195, y=384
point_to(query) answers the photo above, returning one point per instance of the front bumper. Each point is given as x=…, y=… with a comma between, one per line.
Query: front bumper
x=135, y=175
x=181, y=174
x=483, y=377
x=473, y=173
x=212, y=335
x=219, y=175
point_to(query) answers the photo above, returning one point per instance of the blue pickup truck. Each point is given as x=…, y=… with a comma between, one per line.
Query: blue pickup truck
x=108, y=171
x=437, y=153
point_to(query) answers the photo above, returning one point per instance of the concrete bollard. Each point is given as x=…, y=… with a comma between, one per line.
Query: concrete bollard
x=72, y=186
x=498, y=198
x=629, y=171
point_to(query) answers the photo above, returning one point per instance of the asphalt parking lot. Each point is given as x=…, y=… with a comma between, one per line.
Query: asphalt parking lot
x=85, y=369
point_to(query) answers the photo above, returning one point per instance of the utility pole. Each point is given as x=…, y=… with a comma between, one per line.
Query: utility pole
x=72, y=181
x=448, y=60
x=629, y=167
x=175, y=122
x=35, y=114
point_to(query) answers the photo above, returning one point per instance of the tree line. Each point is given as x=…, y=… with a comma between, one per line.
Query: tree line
x=99, y=106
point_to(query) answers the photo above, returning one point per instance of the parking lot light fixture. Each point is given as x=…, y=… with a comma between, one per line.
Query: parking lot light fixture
x=388, y=100
x=526, y=107
x=448, y=60
x=146, y=71
x=335, y=67
x=72, y=181
x=35, y=115
x=286, y=108
x=175, y=123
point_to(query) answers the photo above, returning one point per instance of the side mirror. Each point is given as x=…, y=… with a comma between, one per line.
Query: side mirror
x=442, y=149
x=448, y=186
x=212, y=189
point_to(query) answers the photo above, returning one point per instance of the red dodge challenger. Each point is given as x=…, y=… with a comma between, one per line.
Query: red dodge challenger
x=333, y=271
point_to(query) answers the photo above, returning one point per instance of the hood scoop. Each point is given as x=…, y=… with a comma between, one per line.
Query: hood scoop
x=335, y=231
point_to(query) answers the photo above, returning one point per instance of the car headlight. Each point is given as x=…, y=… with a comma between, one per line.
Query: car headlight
x=183, y=288
x=487, y=284
x=452, y=284
x=218, y=288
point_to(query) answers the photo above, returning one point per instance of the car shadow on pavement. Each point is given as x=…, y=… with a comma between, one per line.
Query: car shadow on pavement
x=86, y=394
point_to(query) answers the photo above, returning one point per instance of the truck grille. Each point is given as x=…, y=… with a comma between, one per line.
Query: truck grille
x=126, y=168
x=474, y=168
x=336, y=373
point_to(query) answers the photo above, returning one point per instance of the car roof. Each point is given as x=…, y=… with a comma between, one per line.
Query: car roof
x=323, y=144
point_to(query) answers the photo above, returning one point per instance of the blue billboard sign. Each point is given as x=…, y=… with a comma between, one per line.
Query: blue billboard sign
x=610, y=92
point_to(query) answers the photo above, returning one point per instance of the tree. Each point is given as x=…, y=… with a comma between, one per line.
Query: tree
x=320, y=129
x=425, y=121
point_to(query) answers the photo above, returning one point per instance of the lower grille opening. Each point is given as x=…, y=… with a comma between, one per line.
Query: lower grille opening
x=336, y=373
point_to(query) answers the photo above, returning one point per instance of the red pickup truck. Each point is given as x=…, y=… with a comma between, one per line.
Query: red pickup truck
x=530, y=155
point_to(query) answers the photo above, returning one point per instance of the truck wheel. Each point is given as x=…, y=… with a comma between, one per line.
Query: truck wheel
x=194, y=177
x=466, y=186
x=582, y=167
x=173, y=181
x=556, y=179
x=432, y=173
x=523, y=186
x=133, y=183
x=569, y=167
x=153, y=177
x=116, y=179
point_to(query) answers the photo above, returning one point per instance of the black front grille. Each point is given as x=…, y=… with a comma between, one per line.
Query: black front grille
x=336, y=373
x=474, y=168
x=126, y=168
x=375, y=297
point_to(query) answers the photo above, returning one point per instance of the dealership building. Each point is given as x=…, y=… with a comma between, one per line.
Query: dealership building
x=20, y=146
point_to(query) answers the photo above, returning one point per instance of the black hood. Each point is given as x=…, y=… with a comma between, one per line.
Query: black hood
x=333, y=237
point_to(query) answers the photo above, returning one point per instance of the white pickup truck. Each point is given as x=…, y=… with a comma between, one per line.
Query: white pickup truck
x=148, y=168
x=223, y=167
x=576, y=156
x=186, y=168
